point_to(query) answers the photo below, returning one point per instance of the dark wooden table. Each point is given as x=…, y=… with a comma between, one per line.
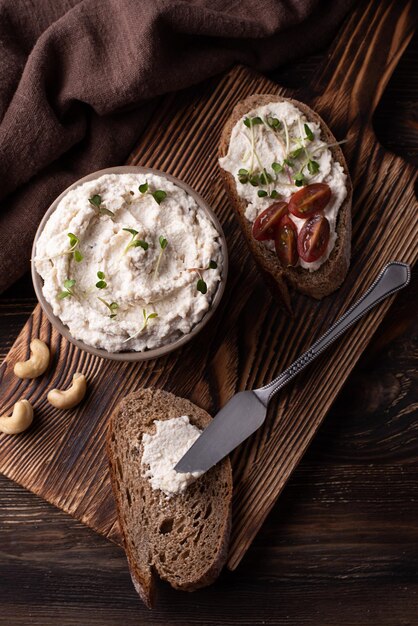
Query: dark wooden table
x=340, y=547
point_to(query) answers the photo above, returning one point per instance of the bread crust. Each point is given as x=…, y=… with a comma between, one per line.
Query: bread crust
x=332, y=273
x=143, y=575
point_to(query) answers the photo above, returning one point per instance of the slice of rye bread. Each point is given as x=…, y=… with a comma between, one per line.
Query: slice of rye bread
x=184, y=538
x=332, y=273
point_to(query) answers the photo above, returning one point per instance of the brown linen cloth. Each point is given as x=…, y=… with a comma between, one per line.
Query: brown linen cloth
x=74, y=75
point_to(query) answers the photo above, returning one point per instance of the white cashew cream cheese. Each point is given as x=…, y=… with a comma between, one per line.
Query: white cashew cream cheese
x=134, y=289
x=283, y=136
x=163, y=450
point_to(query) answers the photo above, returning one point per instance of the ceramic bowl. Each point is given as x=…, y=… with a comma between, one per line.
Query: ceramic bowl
x=131, y=355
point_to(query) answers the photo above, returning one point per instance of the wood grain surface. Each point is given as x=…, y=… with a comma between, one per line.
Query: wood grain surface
x=250, y=340
x=340, y=546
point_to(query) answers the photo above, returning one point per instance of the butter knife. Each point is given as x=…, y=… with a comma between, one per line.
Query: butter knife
x=246, y=411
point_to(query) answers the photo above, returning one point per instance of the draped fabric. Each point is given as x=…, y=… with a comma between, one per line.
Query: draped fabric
x=76, y=78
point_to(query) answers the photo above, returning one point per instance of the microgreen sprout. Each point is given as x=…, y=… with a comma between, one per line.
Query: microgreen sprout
x=313, y=167
x=296, y=153
x=249, y=175
x=134, y=243
x=112, y=306
x=273, y=122
x=243, y=175
x=265, y=177
x=163, y=244
x=309, y=162
x=298, y=162
x=201, y=284
x=74, y=243
x=274, y=125
x=299, y=179
x=101, y=284
x=306, y=134
x=286, y=132
x=159, y=195
x=252, y=121
x=309, y=133
x=147, y=317
x=67, y=292
x=96, y=201
x=150, y=316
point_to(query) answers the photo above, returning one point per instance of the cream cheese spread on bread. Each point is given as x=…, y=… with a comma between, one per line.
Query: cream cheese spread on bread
x=273, y=152
x=162, y=451
x=121, y=258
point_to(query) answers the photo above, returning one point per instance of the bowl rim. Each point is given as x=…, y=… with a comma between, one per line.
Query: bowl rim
x=131, y=355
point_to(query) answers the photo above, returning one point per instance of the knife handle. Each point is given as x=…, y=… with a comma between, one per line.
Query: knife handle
x=392, y=278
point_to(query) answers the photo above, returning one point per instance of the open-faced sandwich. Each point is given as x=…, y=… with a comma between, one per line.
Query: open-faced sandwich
x=288, y=182
x=174, y=525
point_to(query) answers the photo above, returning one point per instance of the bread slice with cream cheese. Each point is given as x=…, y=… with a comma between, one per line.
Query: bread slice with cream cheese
x=330, y=275
x=184, y=538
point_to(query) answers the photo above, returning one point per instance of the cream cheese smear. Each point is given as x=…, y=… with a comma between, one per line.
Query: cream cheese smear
x=163, y=450
x=279, y=137
x=121, y=258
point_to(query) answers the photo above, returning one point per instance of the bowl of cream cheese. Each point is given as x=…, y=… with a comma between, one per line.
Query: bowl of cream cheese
x=129, y=263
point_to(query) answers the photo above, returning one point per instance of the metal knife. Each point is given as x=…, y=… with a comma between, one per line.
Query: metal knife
x=246, y=411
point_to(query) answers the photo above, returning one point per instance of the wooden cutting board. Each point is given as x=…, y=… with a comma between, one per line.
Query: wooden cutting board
x=249, y=341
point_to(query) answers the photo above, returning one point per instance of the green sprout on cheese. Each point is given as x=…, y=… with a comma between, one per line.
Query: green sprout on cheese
x=146, y=317
x=273, y=122
x=159, y=195
x=201, y=284
x=74, y=247
x=101, y=284
x=294, y=149
x=309, y=133
x=97, y=202
x=299, y=158
x=249, y=122
x=163, y=245
x=111, y=306
x=134, y=242
x=67, y=292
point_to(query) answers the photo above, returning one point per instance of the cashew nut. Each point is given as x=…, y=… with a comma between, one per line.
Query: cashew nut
x=38, y=362
x=19, y=420
x=72, y=396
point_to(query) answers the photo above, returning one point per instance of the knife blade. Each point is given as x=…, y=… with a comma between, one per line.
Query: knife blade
x=236, y=421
